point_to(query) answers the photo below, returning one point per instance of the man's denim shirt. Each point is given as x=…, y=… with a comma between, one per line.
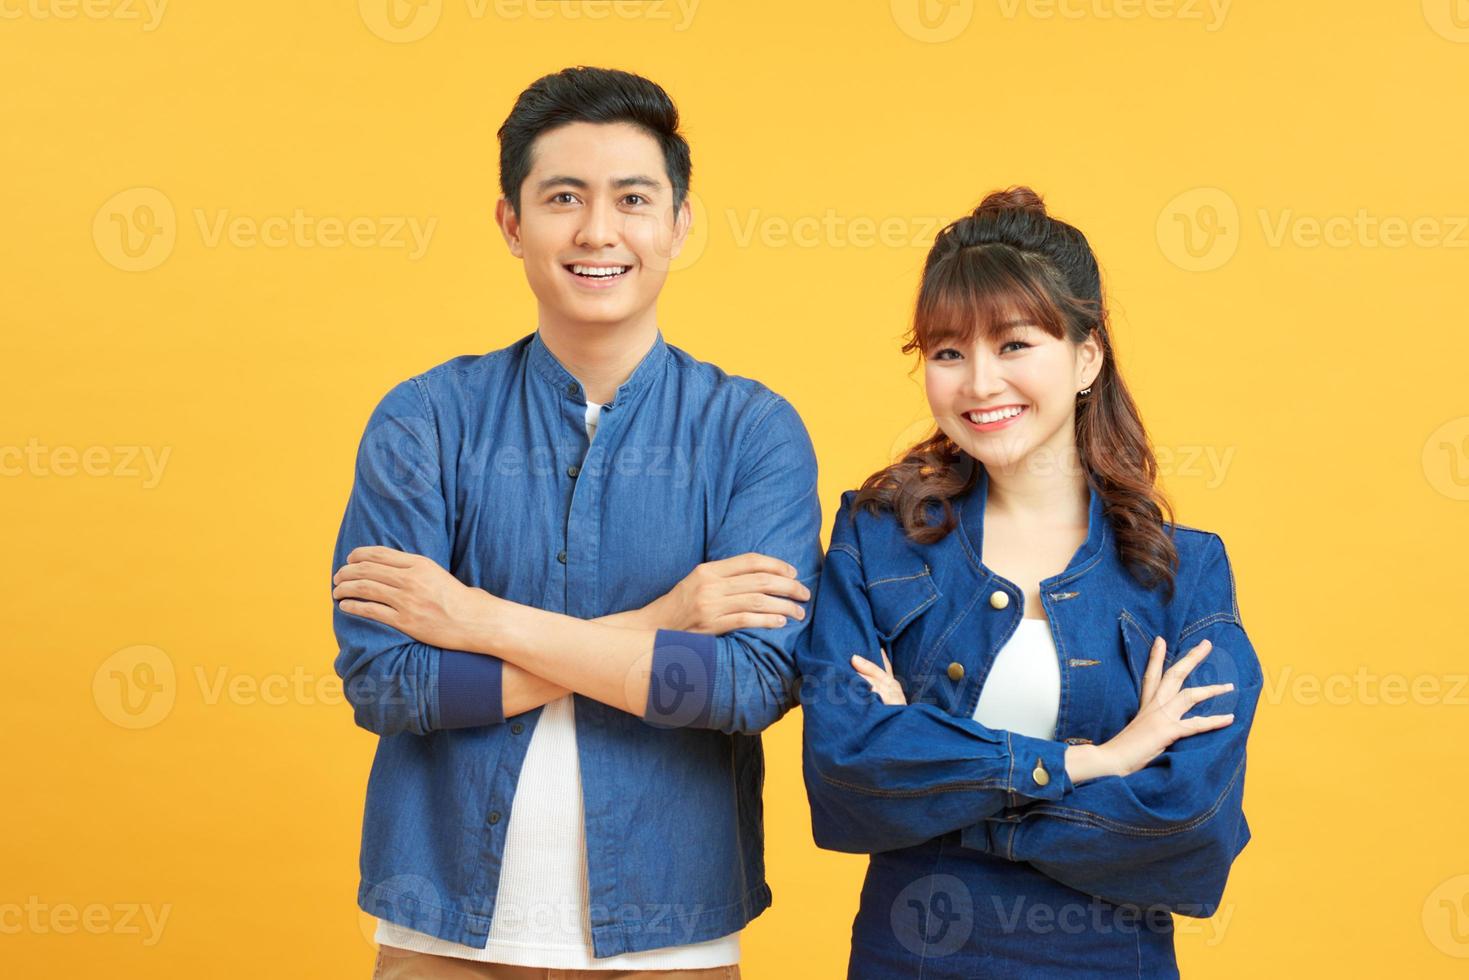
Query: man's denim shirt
x=882, y=777
x=478, y=464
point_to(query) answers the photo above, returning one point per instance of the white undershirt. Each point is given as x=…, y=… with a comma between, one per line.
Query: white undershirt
x=1022, y=693
x=541, y=917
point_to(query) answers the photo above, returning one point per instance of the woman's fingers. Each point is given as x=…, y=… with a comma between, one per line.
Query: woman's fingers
x=1206, y=723
x=1153, y=673
x=1193, y=695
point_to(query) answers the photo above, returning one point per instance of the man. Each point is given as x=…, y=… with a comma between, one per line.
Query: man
x=569, y=583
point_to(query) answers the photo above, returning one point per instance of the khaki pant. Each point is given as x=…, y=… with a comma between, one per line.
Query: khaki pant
x=401, y=964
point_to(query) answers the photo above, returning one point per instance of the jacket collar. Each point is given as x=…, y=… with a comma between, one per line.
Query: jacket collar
x=649, y=370
x=970, y=507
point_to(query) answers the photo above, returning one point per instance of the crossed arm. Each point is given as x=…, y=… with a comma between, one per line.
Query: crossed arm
x=547, y=654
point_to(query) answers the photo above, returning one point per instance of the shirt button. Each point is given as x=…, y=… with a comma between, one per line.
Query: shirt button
x=999, y=599
x=561, y=557
x=494, y=816
x=1039, y=774
x=956, y=672
x=516, y=728
x=571, y=388
x=572, y=471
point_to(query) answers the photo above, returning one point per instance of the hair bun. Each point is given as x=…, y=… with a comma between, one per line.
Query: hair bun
x=1018, y=198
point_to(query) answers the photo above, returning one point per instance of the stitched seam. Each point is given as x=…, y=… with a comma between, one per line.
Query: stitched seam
x=1194, y=627
x=960, y=786
x=844, y=547
x=899, y=578
x=1090, y=819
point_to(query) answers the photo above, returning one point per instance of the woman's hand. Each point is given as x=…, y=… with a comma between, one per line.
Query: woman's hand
x=408, y=592
x=1160, y=722
x=749, y=591
x=883, y=683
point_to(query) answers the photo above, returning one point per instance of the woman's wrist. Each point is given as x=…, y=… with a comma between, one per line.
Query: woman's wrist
x=1084, y=762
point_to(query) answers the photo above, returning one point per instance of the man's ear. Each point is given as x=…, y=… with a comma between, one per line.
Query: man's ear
x=509, y=223
x=683, y=223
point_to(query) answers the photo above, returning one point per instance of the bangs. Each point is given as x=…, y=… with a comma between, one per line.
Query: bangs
x=981, y=292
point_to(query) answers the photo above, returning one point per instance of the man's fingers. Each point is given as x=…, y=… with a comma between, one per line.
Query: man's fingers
x=362, y=588
x=381, y=555
x=887, y=664
x=769, y=583
x=753, y=562
x=368, y=569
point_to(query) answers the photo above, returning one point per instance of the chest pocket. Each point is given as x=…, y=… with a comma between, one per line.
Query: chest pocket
x=897, y=599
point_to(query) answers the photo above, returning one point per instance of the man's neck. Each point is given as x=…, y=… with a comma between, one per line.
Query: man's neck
x=601, y=356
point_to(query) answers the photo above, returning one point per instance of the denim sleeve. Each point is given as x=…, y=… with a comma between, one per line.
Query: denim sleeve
x=744, y=681
x=394, y=683
x=879, y=776
x=1167, y=834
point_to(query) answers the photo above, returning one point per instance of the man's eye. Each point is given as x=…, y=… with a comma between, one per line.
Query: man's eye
x=565, y=197
x=635, y=199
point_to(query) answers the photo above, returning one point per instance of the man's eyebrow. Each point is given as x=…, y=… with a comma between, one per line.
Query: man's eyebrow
x=621, y=183
x=557, y=180
x=638, y=180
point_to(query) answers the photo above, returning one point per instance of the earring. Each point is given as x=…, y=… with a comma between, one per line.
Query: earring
x=1085, y=391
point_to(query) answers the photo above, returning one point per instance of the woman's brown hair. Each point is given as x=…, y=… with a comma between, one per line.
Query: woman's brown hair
x=1010, y=257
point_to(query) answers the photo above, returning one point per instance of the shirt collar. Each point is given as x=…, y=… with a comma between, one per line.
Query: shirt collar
x=971, y=503
x=649, y=370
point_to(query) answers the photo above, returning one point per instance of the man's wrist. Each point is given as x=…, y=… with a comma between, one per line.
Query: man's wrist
x=486, y=622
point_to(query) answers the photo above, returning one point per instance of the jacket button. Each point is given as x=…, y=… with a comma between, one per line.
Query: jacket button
x=1039, y=774
x=999, y=599
x=956, y=672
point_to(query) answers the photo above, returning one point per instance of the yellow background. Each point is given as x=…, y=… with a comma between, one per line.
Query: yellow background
x=1326, y=378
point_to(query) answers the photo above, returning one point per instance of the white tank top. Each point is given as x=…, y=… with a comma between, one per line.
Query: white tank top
x=1022, y=693
x=541, y=917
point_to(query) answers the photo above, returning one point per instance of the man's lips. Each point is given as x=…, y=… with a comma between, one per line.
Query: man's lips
x=598, y=275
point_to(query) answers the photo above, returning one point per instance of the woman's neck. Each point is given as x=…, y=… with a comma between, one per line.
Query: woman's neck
x=1033, y=494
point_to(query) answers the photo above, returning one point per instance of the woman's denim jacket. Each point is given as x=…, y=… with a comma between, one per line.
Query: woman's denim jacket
x=882, y=777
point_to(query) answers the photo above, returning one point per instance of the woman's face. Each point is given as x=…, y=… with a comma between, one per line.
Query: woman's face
x=1010, y=399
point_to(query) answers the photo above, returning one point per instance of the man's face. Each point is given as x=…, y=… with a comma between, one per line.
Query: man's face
x=597, y=228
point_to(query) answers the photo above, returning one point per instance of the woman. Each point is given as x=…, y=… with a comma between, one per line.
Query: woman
x=995, y=704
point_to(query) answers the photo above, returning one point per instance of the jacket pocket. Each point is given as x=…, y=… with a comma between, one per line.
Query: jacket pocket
x=898, y=597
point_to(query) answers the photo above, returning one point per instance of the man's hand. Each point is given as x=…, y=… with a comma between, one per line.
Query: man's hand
x=408, y=592
x=750, y=591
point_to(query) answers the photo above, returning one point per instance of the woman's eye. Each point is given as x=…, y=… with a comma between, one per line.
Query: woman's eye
x=939, y=354
x=1014, y=343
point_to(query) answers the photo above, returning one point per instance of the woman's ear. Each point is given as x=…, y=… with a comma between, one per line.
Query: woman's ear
x=1088, y=360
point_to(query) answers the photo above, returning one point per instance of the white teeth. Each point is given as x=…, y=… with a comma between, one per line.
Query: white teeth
x=600, y=272
x=980, y=418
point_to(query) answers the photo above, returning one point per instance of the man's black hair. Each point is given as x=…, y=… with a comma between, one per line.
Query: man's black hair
x=593, y=95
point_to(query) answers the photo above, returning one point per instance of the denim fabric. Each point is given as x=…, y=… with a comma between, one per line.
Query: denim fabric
x=897, y=781
x=482, y=464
